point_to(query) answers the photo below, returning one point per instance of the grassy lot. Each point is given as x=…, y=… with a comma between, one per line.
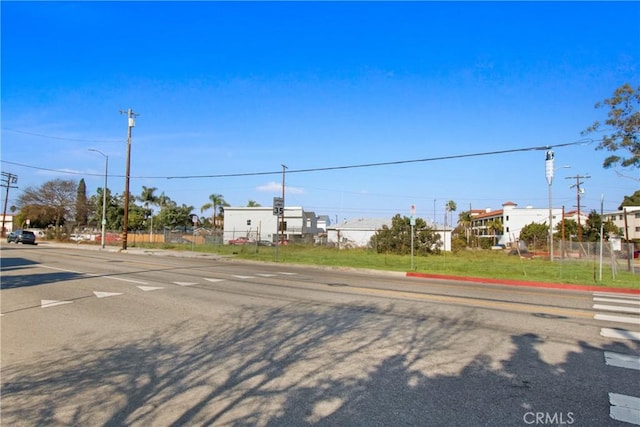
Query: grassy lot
x=491, y=264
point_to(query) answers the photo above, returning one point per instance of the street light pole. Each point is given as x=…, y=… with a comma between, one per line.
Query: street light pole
x=104, y=196
x=549, y=159
x=549, y=172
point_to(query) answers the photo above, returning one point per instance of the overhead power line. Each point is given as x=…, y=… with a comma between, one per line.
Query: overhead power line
x=60, y=138
x=329, y=168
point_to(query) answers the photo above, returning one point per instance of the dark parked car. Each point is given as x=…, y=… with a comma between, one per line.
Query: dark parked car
x=22, y=236
x=265, y=243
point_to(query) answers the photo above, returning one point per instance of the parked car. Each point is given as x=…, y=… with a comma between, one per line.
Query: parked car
x=239, y=241
x=265, y=243
x=22, y=236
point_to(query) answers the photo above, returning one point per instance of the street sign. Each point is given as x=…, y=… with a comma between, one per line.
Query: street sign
x=278, y=206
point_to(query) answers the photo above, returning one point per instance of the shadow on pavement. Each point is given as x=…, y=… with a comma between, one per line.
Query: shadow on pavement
x=304, y=364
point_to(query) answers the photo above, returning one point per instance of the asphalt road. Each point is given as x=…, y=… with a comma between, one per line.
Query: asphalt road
x=102, y=338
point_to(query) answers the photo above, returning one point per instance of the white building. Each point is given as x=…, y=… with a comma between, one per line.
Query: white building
x=357, y=233
x=7, y=220
x=259, y=223
x=513, y=219
x=632, y=225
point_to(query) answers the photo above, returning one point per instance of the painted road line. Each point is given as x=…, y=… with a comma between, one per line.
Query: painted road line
x=609, y=294
x=620, y=301
x=185, y=283
x=624, y=408
x=214, y=280
x=619, y=319
x=622, y=360
x=287, y=273
x=106, y=294
x=238, y=276
x=266, y=275
x=617, y=308
x=620, y=334
x=94, y=275
x=149, y=288
x=46, y=303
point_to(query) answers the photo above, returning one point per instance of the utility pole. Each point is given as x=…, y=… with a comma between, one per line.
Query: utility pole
x=283, y=204
x=578, y=193
x=131, y=123
x=549, y=170
x=7, y=179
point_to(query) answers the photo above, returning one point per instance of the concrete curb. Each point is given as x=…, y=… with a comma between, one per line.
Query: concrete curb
x=525, y=283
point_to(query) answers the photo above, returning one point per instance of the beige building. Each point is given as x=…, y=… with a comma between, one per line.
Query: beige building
x=630, y=226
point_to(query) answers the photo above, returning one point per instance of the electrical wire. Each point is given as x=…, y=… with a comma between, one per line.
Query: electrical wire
x=60, y=138
x=323, y=169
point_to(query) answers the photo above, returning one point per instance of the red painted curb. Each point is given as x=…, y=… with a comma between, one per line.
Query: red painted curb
x=526, y=283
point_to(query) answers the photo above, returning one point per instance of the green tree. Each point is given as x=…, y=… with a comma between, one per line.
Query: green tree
x=253, y=204
x=174, y=216
x=464, y=226
x=623, y=118
x=216, y=200
x=148, y=198
x=113, y=212
x=592, y=228
x=82, y=204
x=570, y=228
x=495, y=228
x=397, y=238
x=633, y=200
x=535, y=234
x=450, y=207
x=58, y=195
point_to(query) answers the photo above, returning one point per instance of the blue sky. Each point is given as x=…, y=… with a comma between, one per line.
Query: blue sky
x=228, y=88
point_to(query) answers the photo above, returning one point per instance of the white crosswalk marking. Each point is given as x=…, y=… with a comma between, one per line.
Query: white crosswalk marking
x=621, y=301
x=620, y=334
x=619, y=319
x=239, y=276
x=214, y=280
x=618, y=308
x=624, y=408
x=621, y=407
x=622, y=360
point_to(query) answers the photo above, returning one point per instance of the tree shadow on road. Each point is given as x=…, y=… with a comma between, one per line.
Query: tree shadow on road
x=305, y=364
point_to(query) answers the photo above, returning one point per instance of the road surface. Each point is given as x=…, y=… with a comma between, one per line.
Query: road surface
x=101, y=338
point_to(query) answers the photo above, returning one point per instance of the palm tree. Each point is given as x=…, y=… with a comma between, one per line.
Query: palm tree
x=464, y=219
x=148, y=198
x=450, y=207
x=253, y=204
x=495, y=226
x=216, y=201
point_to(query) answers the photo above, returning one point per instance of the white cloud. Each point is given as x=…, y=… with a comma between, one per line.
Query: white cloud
x=276, y=187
